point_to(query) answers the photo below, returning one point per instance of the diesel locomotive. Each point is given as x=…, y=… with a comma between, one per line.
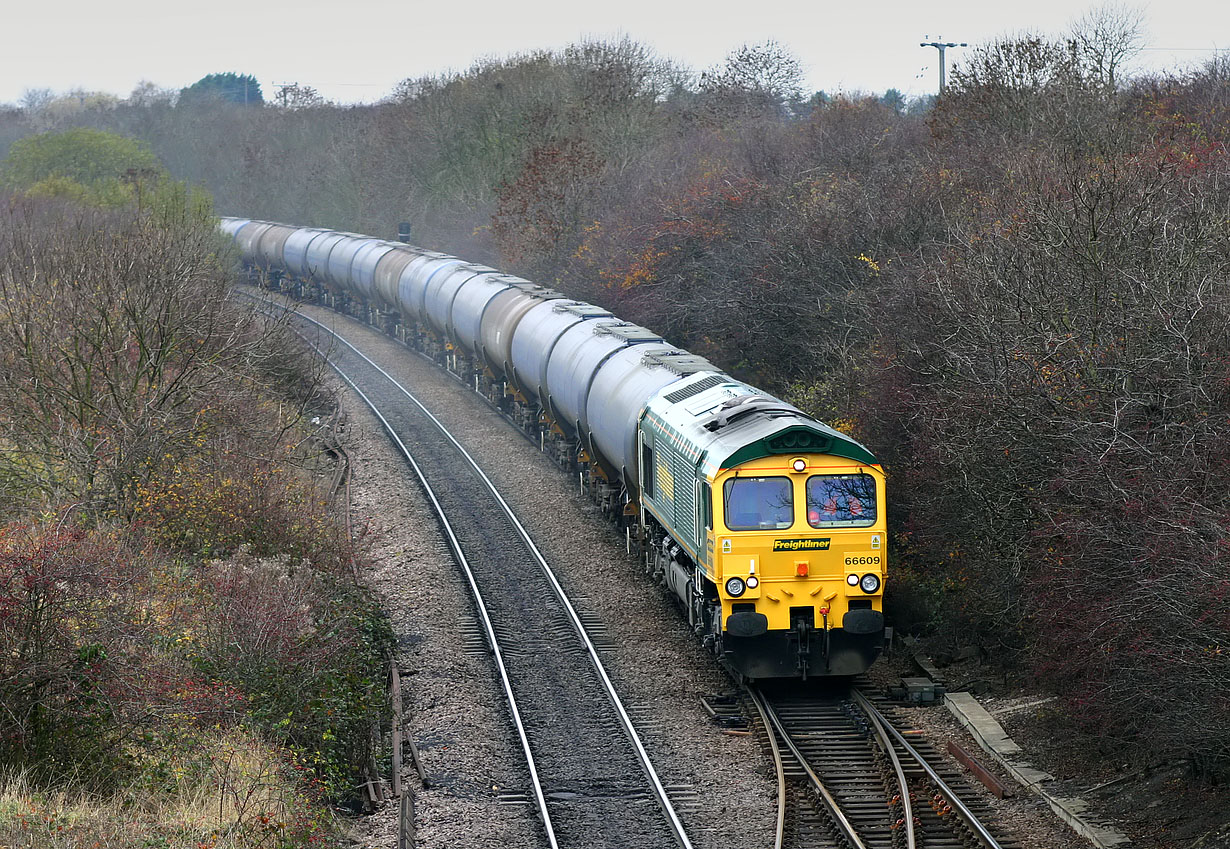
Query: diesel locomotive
x=766, y=524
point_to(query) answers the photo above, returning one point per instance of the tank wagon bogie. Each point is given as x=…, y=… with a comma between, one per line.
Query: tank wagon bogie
x=767, y=525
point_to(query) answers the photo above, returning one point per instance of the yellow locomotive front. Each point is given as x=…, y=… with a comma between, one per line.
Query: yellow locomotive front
x=796, y=549
x=769, y=527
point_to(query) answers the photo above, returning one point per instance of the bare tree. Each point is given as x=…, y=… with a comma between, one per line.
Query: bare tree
x=1108, y=37
x=295, y=96
x=147, y=93
x=769, y=69
x=115, y=334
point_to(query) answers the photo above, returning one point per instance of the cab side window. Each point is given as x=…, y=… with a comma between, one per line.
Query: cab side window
x=647, y=470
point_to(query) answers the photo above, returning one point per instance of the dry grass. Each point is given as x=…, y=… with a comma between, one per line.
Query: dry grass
x=230, y=791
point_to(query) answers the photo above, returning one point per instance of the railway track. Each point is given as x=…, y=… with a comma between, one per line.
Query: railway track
x=590, y=777
x=850, y=777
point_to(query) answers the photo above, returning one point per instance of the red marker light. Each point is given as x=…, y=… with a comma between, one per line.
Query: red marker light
x=801, y=569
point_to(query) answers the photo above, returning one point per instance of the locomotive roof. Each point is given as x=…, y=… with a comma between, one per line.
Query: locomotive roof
x=721, y=422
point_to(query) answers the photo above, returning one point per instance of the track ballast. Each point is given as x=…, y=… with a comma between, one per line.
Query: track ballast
x=593, y=782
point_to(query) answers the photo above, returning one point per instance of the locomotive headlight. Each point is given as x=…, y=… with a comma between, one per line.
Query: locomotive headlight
x=870, y=582
x=852, y=580
x=800, y=465
x=735, y=586
x=752, y=582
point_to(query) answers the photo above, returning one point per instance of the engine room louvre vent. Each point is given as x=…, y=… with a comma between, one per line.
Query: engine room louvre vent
x=797, y=441
x=695, y=389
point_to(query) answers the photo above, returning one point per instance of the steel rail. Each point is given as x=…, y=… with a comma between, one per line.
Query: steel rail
x=967, y=816
x=484, y=617
x=663, y=799
x=879, y=724
x=781, y=771
x=462, y=561
x=846, y=826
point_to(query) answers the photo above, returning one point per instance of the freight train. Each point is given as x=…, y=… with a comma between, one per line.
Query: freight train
x=766, y=524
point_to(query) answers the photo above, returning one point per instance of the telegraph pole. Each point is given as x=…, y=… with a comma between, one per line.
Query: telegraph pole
x=280, y=97
x=941, y=46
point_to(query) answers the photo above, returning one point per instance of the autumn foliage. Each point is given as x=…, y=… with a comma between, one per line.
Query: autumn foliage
x=179, y=618
x=1015, y=295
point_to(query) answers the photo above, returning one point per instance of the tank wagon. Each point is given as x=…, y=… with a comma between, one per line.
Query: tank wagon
x=767, y=525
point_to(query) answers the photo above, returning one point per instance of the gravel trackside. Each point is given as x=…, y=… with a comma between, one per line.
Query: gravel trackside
x=721, y=783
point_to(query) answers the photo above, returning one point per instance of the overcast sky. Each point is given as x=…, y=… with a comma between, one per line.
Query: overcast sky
x=357, y=51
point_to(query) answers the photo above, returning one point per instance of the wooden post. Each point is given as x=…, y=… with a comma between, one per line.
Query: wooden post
x=397, y=731
x=405, y=824
x=418, y=763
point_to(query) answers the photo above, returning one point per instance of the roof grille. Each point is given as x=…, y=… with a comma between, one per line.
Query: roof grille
x=695, y=388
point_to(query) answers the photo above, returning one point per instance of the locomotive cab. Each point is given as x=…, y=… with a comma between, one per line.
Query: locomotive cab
x=770, y=529
x=796, y=551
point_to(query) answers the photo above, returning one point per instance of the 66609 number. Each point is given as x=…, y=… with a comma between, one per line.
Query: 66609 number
x=862, y=560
